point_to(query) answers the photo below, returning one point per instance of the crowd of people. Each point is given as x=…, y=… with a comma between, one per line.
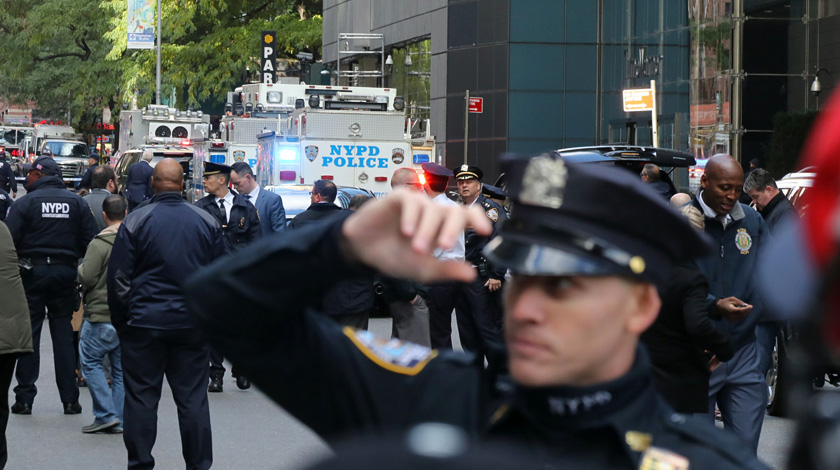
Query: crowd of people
x=555, y=364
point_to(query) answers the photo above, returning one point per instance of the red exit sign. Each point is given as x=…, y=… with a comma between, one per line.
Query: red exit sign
x=477, y=105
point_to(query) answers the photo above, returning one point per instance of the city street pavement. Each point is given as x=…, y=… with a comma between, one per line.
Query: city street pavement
x=249, y=431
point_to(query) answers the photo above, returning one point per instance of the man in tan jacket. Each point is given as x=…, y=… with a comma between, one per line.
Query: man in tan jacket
x=98, y=337
x=15, y=328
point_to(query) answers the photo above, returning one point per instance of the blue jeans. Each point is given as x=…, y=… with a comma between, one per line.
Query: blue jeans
x=96, y=341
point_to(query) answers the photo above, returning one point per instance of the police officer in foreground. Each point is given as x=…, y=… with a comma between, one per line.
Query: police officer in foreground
x=586, y=250
x=51, y=228
x=476, y=305
x=240, y=226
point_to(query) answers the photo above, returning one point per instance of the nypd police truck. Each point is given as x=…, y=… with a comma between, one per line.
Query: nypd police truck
x=352, y=143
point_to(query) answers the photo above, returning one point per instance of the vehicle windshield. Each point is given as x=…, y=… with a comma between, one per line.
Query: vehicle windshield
x=67, y=149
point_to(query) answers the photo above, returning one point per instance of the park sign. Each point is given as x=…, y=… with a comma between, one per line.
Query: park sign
x=141, y=24
x=638, y=99
x=268, y=57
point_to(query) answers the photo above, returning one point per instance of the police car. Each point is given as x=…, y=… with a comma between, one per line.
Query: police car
x=296, y=197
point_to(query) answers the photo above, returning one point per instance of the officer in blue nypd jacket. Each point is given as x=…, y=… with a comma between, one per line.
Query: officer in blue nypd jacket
x=739, y=234
x=51, y=228
x=476, y=305
x=586, y=248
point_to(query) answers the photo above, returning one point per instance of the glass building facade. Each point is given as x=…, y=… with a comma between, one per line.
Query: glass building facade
x=551, y=73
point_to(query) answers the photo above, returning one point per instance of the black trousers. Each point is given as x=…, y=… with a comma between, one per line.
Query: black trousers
x=51, y=293
x=7, y=369
x=182, y=355
x=476, y=325
x=441, y=302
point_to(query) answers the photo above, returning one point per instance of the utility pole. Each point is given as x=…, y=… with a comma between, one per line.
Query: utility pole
x=157, y=71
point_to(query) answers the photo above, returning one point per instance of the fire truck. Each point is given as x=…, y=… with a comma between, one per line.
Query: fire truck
x=257, y=108
x=354, y=143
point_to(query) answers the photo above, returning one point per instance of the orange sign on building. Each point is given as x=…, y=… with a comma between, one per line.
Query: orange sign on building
x=640, y=99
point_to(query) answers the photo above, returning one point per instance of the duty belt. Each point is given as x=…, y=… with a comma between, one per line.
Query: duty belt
x=42, y=260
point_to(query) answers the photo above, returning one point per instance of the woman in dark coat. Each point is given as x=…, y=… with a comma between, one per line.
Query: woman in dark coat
x=682, y=333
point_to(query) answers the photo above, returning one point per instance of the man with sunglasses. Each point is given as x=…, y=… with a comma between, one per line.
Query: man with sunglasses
x=586, y=246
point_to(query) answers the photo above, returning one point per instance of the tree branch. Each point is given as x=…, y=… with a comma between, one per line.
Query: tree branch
x=80, y=43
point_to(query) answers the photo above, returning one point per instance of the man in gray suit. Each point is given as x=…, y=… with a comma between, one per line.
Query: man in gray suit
x=269, y=205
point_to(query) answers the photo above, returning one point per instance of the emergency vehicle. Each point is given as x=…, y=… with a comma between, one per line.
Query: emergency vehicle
x=68, y=149
x=160, y=125
x=354, y=143
x=257, y=108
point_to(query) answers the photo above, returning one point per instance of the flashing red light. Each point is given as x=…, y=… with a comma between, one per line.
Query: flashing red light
x=422, y=179
x=380, y=178
x=185, y=142
x=217, y=145
x=327, y=177
x=301, y=180
x=288, y=176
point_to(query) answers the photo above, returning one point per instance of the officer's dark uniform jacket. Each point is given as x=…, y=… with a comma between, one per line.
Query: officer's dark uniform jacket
x=50, y=221
x=5, y=203
x=731, y=267
x=243, y=226
x=340, y=382
x=145, y=289
x=474, y=243
x=7, y=177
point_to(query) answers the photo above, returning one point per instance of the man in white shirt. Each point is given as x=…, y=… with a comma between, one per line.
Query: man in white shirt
x=269, y=204
x=442, y=295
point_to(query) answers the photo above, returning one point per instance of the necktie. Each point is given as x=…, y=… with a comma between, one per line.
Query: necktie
x=247, y=197
x=223, y=218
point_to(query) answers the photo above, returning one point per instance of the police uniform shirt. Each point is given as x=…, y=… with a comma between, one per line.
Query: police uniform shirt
x=711, y=214
x=228, y=204
x=458, y=251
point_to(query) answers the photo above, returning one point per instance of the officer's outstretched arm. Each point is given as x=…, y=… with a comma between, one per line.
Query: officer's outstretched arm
x=397, y=235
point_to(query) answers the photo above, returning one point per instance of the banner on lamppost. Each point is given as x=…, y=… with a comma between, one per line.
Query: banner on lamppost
x=268, y=57
x=141, y=24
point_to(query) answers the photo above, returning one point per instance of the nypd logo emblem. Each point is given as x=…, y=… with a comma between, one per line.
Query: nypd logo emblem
x=397, y=156
x=393, y=355
x=363, y=178
x=239, y=155
x=492, y=214
x=311, y=152
x=743, y=241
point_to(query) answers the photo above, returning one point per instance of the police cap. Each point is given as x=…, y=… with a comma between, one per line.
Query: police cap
x=465, y=172
x=437, y=170
x=211, y=168
x=492, y=191
x=588, y=220
x=46, y=152
x=46, y=165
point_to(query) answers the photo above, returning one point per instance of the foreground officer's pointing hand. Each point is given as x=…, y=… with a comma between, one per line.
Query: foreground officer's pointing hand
x=398, y=235
x=586, y=248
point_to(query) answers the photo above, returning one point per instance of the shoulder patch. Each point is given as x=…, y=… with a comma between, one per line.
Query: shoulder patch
x=655, y=458
x=492, y=214
x=393, y=355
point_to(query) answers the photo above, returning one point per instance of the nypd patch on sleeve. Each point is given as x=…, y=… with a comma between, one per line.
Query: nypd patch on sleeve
x=393, y=355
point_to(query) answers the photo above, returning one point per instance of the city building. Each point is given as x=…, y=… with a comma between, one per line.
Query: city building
x=551, y=73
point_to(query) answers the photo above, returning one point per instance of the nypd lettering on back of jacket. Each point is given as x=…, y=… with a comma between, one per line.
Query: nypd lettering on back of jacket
x=51, y=221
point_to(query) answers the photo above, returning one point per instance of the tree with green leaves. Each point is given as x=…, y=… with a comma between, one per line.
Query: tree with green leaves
x=70, y=56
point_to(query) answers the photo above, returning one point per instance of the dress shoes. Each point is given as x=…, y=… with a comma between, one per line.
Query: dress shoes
x=72, y=408
x=215, y=384
x=22, y=408
x=243, y=383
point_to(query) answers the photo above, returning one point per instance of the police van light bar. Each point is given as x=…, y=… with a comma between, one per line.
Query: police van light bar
x=218, y=145
x=292, y=138
x=287, y=175
x=356, y=105
x=420, y=158
x=185, y=142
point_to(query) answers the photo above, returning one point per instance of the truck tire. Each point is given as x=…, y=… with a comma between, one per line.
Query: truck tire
x=778, y=381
